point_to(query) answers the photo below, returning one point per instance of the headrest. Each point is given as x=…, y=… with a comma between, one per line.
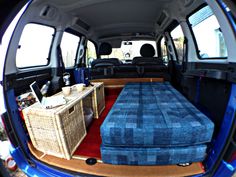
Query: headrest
x=147, y=50
x=105, y=49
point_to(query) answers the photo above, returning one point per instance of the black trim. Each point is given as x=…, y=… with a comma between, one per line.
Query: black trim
x=82, y=24
x=208, y=73
x=172, y=26
x=74, y=32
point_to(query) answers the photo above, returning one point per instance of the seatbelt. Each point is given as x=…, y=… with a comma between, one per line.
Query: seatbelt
x=168, y=53
x=185, y=55
x=198, y=90
x=111, y=69
x=60, y=59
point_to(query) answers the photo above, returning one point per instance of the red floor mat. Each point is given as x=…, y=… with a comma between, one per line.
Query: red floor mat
x=90, y=146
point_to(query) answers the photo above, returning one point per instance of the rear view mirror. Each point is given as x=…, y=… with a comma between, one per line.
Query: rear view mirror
x=127, y=43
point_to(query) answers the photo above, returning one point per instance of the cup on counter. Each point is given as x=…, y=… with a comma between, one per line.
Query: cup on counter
x=66, y=90
x=80, y=87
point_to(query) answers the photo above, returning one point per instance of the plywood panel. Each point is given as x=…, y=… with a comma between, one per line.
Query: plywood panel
x=123, y=81
x=77, y=164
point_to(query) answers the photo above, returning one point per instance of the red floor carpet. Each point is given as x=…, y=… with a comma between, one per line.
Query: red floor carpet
x=90, y=146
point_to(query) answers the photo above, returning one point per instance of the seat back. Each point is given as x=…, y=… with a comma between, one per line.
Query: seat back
x=147, y=53
x=104, y=67
x=148, y=65
x=147, y=61
x=105, y=49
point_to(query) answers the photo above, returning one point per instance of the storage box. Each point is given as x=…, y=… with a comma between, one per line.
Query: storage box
x=56, y=131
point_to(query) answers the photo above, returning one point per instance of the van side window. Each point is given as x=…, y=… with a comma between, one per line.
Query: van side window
x=164, y=53
x=69, y=45
x=209, y=38
x=34, y=46
x=178, y=39
x=90, y=53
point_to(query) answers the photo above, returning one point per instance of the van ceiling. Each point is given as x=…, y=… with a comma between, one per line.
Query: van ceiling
x=106, y=18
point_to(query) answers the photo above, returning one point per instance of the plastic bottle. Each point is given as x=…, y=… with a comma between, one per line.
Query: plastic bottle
x=44, y=88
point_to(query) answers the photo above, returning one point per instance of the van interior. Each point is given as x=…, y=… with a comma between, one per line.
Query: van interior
x=159, y=98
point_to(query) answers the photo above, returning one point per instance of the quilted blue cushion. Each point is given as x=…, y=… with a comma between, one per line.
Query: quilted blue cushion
x=152, y=156
x=154, y=115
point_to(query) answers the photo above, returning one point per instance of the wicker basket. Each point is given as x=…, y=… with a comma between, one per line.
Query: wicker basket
x=98, y=99
x=56, y=131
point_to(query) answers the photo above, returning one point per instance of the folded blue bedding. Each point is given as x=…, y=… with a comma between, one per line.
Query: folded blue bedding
x=154, y=114
x=153, y=124
x=152, y=156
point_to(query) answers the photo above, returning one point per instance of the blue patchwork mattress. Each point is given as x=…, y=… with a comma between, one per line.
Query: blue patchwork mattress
x=154, y=114
x=152, y=123
x=152, y=156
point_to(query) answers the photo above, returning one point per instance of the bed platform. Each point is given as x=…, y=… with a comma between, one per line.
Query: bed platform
x=152, y=123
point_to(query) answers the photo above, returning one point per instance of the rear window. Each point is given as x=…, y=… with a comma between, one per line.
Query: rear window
x=209, y=38
x=129, y=50
x=34, y=46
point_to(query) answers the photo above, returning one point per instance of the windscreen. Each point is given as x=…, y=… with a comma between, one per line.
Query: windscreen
x=129, y=50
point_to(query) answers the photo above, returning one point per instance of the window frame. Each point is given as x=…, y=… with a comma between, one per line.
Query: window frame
x=50, y=49
x=160, y=48
x=96, y=49
x=75, y=33
x=173, y=43
x=194, y=38
x=169, y=29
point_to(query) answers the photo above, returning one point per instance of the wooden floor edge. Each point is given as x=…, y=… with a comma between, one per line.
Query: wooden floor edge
x=79, y=165
x=120, y=82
